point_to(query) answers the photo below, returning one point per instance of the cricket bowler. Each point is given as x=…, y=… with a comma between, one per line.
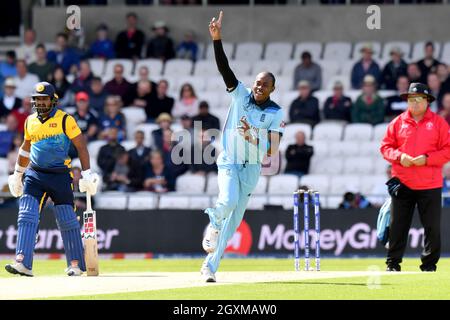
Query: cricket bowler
x=42, y=171
x=253, y=128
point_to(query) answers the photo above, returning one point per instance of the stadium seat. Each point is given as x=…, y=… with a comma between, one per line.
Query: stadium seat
x=343, y=149
x=273, y=66
x=278, y=51
x=261, y=187
x=358, y=165
x=283, y=184
x=332, y=202
x=329, y=67
x=172, y=200
x=109, y=68
x=241, y=68
x=97, y=66
x=257, y=202
x=283, y=83
x=347, y=67
x=215, y=84
x=111, y=200
x=340, y=184
x=328, y=131
x=133, y=117
x=190, y=184
x=205, y=68
x=201, y=50
x=286, y=201
x=403, y=45
x=200, y=202
x=197, y=82
x=147, y=128
x=340, y=51
x=128, y=144
x=288, y=68
x=291, y=130
x=248, y=51
x=369, y=148
x=142, y=200
x=4, y=182
x=380, y=165
x=228, y=47
x=344, y=79
x=213, y=99
x=376, y=47
x=358, y=132
x=154, y=66
x=178, y=67
x=94, y=147
x=4, y=165
x=418, y=50
x=379, y=131
x=212, y=187
x=369, y=182
x=329, y=165
x=445, y=56
x=287, y=98
x=320, y=148
x=315, y=48
x=322, y=96
x=318, y=182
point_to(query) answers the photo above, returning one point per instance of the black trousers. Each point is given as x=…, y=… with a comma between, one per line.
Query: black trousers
x=429, y=205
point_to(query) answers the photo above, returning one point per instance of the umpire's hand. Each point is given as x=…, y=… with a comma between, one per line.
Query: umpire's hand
x=406, y=160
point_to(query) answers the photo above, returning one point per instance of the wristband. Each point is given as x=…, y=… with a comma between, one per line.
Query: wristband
x=18, y=168
x=24, y=153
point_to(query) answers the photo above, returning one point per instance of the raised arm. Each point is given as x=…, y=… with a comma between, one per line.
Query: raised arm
x=215, y=28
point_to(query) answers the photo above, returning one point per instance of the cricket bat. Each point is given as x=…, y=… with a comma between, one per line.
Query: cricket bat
x=90, y=239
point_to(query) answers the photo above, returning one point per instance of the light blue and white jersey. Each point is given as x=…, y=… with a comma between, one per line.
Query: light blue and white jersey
x=261, y=118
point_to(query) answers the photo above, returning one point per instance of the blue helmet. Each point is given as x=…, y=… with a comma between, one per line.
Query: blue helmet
x=43, y=89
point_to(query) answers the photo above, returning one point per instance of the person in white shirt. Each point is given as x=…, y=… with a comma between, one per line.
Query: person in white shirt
x=9, y=101
x=27, y=51
x=25, y=81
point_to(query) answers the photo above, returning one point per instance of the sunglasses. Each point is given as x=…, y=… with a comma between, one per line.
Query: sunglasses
x=416, y=99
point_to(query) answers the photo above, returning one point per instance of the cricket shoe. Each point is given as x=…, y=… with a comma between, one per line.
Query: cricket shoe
x=18, y=268
x=209, y=242
x=207, y=274
x=74, y=271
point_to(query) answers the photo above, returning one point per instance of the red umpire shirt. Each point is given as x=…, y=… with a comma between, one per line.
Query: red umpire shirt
x=430, y=136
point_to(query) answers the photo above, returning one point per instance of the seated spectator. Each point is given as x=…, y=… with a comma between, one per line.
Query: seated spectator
x=8, y=67
x=435, y=87
x=394, y=104
x=119, y=86
x=129, y=42
x=446, y=185
x=443, y=74
x=369, y=106
x=445, y=112
x=160, y=103
x=9, y=101
x=158, y=177
x=24, y=80
x=14, y=152
x=27, y=50
x=208, y=121
x=161, y=45
x=309, y=71
x=62, y=86
x=188, y=48
x=298, y=156
x=84, y=77
x=102, y=47
x=338, y=106
x=365, y=66
x=22, y=113
x=108, y=154
x=305, y=108
x=428, y=63
x=379, y=193
x=164, y=121
x=118, y=179
x=97, y=95
x=138, y=157
x=86, y=120
x=187, y=103
x=393, y=69
x=113, y=118
x=143, y=96
x=144, y=75
x=63, y=55
x=187, y=129
x=203, y=155
x=41, y=66
x=414, y=73
x=7, y=136
x=354, y=201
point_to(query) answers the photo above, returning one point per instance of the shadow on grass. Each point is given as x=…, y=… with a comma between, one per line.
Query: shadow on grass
x=132, y=276
x=323, y=283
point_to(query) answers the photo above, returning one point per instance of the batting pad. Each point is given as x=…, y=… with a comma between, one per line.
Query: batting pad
x=27, y=223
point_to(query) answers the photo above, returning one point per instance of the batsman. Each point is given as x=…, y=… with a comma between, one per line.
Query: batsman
x=42, y=171
x=253, y=129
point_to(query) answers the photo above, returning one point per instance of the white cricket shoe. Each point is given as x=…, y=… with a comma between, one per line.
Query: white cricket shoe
x=209, y=242
x=74, y=271
x=18, y=268
x=207, y=274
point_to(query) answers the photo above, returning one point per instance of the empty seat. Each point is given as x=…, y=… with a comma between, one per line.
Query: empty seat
x=273, y=66
x=369, y=148
x=213, y=99
x=320, y=148
x=205, y=68
x=370, y=182
x=379, y=131
x=358, y=132
x=228, y=47
x=418, y=50
x=197, y=82
x=322, y=96
x=94, y=148
x=358, y=165
x=376, y=48
x=380, y=165
x=337, y=50
x=173, y=201
x=329, y=67
x=178, y=67
x=327, y=165
x=403, y=45
x=212, y=187
x=328, y=131
x=109, y=68
x=343, y=149
x=4, y=165
x=344, y=79
x=315, y=48
x=147, y=128
x=257, y=202
x=215, y=83
x=332, y=202
x=291, y=130
x=278, y=51
x=340, y=184
x=445, y=56
x=288, y=67
x=249, y=51
x=241, y=68
x=190, y=184
x=199, y=202
x=97, y=66
x=318, y=182
x=112, y=200
x=261, y=186
x=142, y=200
x=286, y=201
x=133, y=117
x=283, y=184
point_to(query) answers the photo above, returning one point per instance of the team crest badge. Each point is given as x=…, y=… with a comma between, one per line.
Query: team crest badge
x=40, y=87
x=429, y=125
x=263, y=117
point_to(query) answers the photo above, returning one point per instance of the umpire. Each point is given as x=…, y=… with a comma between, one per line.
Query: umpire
x=417, y=143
